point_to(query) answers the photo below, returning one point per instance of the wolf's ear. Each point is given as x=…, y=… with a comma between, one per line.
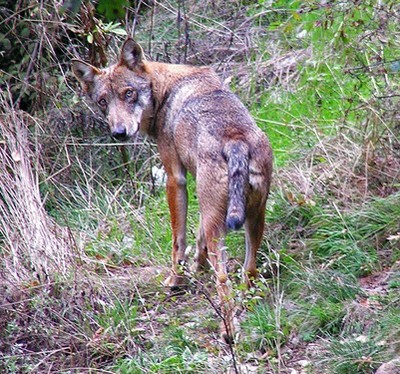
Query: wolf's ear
x=132, y=55
x=85, y=73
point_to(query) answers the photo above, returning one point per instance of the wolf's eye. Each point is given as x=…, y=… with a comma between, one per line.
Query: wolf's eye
x=131, y=95
x=102, y=102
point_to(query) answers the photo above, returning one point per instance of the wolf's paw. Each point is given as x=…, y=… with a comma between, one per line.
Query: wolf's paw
x=176, y=282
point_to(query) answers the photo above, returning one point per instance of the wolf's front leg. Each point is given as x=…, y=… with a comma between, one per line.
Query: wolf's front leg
x=177, y=201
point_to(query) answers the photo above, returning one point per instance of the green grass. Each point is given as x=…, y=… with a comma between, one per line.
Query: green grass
x=362, y=345
x=354, y=356
x=167, y=361
x=327, y=95
x=265, y=329
x=320, y=298
x=319, y=284
x=353, y=240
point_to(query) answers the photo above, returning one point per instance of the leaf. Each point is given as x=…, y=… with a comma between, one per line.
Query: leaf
x=114, y=28
x=112, y=9
x=119, y=31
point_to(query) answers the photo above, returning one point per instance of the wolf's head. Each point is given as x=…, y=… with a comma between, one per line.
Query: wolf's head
x=121, y=91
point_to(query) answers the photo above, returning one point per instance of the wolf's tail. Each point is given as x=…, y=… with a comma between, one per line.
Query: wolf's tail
x=237, y=156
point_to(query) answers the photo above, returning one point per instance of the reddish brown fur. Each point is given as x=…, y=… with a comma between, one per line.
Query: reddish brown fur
x=200, y=127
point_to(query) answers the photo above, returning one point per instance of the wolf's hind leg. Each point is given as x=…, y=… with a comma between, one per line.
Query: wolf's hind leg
x=177, y=202
x=213, y=223
x=254, y=229
x=201, y=257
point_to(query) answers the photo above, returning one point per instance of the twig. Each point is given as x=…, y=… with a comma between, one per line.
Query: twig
x=153, y=10
x=28, y=72
x=367, y=67
x=386, y=96
x=135, y=19
x=203, y=291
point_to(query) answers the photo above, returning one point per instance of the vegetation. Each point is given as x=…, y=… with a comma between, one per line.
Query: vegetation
x=84, y=225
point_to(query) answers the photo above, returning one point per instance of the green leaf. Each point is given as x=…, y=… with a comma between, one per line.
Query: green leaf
x=119, y=31
x=112, y=10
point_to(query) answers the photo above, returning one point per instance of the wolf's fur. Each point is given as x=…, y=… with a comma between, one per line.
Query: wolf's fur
x=201, y=127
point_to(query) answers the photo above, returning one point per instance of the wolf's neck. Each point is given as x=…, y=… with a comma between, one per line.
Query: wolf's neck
x=165, y=77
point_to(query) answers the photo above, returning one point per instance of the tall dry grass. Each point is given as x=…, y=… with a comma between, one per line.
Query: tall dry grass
x=32, y=244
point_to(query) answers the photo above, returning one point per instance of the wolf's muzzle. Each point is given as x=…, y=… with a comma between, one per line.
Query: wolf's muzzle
x=119, y=133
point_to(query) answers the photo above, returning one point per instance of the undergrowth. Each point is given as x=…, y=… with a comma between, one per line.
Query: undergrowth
x=85, y=233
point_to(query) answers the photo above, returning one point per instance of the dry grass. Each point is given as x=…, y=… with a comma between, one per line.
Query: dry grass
x=349, y=170
x=34, y=247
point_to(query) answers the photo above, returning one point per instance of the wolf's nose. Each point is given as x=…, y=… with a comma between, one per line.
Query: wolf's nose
x=119, y=133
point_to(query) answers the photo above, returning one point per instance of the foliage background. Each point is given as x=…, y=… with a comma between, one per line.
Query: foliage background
x=84, y=234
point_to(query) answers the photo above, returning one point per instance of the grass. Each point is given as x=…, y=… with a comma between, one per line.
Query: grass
x=354, y=241
x=265, y=331
x=319, y=81
x=177, y=353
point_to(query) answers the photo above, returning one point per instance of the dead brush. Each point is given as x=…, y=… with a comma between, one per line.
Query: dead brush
x=345, y=168
x=49, y=295
x=32, y=243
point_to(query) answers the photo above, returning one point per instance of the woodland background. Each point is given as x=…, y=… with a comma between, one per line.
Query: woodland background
x=84, y=225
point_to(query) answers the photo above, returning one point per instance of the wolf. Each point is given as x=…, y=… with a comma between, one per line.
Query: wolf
x=200, y=127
